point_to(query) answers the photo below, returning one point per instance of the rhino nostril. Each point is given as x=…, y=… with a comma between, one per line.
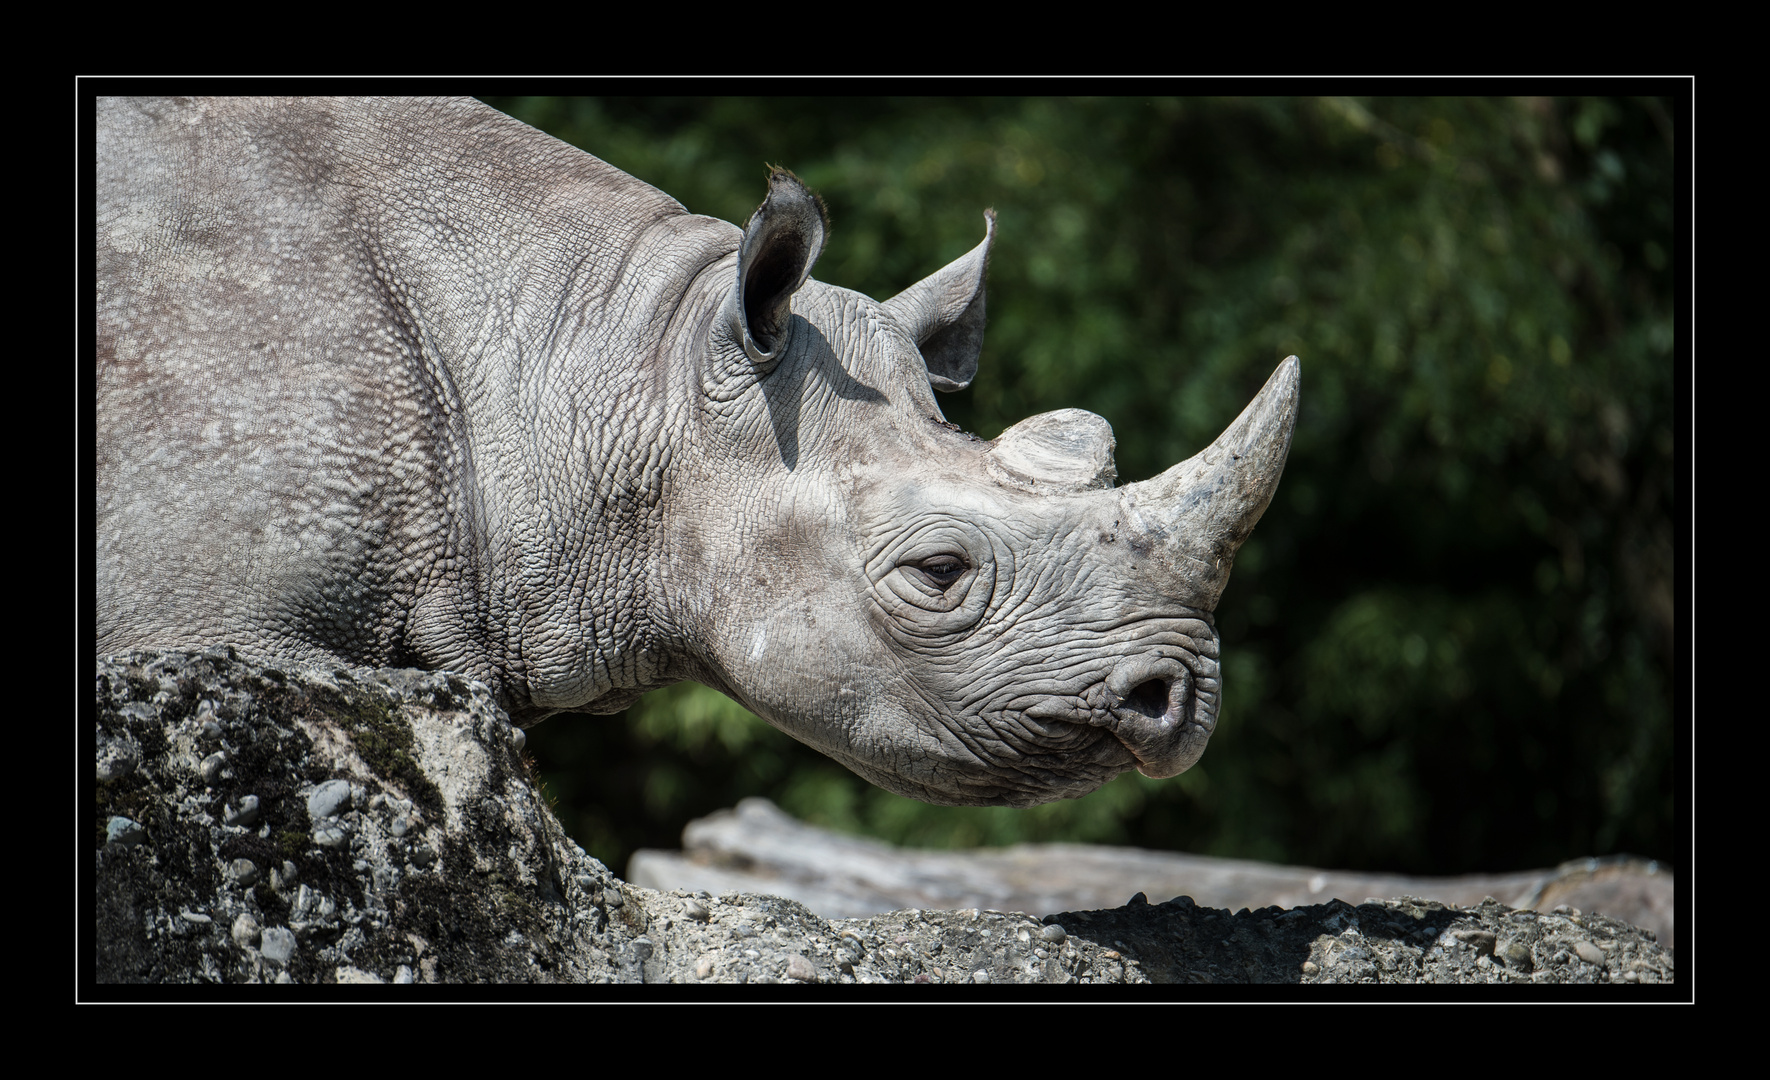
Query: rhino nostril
x=1150, y=698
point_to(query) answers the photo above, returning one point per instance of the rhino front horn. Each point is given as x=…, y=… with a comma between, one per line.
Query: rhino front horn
x=1200, y=511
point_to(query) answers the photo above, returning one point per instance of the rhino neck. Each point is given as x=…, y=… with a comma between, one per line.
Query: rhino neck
x=554, y=337
x=579, y=513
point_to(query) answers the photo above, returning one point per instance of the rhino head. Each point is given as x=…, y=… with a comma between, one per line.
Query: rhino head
x=959, y=621
x=405, y=382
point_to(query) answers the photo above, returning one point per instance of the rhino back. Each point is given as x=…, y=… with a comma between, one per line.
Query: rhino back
x=358, y=362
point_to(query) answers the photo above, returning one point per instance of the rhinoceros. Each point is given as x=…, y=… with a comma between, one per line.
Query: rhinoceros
x=409, y=383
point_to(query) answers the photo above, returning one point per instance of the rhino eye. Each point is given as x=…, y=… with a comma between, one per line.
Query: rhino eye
x=942, y=570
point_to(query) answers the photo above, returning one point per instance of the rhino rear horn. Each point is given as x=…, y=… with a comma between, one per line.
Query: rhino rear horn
x=1202, y=510
x=944, y=314
x=781, y=241
x=1066, y=450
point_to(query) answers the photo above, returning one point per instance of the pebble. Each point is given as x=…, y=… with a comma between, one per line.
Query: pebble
x=518, y=739
x=642, y=948
x=704, y=966
x=246, y=814
x=1482, y=941
x=278, y=945
x=800, y=968
x=1054, y=934
x=211, y=766
x=422, y=856
x=245, y=931
x=313, y=902
x=330, y=834
x=1309, y=967
x=982, y=976
x=849, y=952
x=328, y=800
x=1589, y=952
x=1517, y=955
x=244, y=871
x=282, y=878
x=121, y=830
x=115, y=761
x=694, y=909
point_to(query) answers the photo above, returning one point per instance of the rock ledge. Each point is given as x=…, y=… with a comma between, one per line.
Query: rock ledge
x=262, y=824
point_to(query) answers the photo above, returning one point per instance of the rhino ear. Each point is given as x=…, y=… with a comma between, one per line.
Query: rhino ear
x=944, y=313
x=782, y=240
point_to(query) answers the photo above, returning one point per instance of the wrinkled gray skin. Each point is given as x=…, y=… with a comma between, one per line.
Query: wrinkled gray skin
x=410, y=383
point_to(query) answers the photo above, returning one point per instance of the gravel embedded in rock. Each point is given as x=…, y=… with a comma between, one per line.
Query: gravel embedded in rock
x=245, y=814
x=520, y=903
x=278, y=945
x=328, y=800
x=1517, y=956
x=283, y=878
x=121, y=830
x=1589, y=952
x=116, y=760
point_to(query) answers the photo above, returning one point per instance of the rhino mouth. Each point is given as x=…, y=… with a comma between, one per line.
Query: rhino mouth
x=1150, y=707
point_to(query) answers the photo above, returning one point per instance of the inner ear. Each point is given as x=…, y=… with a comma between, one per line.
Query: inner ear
x=769, y=288
x=781, y=242
x=951, y=352
x=944, y=314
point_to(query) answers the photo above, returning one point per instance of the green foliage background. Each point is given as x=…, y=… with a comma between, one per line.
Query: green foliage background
x=1448, y=646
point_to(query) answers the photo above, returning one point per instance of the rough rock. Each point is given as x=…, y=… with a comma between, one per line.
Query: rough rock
x=756, y=847
x=444, y=866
